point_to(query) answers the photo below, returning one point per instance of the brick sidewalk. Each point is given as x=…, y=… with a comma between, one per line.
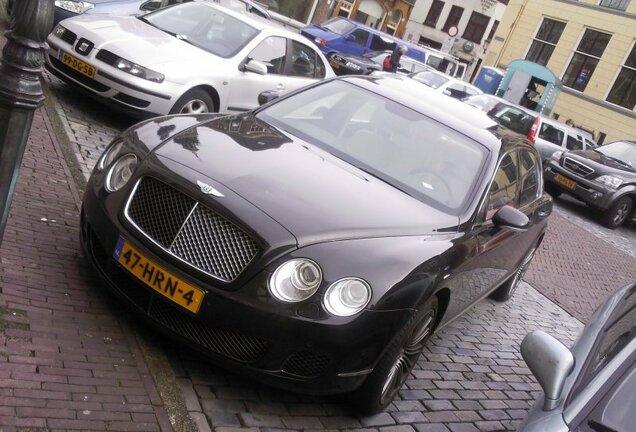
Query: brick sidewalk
x=68, y=361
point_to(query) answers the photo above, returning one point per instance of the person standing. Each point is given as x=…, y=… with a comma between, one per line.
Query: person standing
x=394, y=59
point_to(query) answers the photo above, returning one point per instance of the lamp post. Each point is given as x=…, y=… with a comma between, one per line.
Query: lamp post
x=20, y=90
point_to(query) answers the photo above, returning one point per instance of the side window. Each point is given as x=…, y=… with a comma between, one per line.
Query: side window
x=303, y=62
x=360, y=37
x=551, y=134
x=529, y=173
x=503, y=190
x=273, y=52
x=573, y=143
x=471, y=91
x=380, y=44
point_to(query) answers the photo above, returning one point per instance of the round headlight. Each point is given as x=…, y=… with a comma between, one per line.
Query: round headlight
x=121, y=171
x=110, y=154
x=295, y=281
x=347, y=297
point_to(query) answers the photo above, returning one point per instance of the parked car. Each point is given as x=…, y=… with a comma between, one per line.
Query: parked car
x=191, y=57
x=344, y=36
x=603, y=177
x=548, y=135
x=486, y=102
x=446, y=84
x=348, y=64
x=274, y=261
x=591, y=387
x=71, y=8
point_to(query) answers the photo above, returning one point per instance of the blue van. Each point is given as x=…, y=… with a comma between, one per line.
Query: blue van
x=350, y=37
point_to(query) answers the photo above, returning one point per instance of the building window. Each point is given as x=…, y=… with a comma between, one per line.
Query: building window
x=434, y=13
x=429, y=42
x=544, y=42
x=454, y=16
x=623, y=91
x=345, y=8
x=585, y=59
x=615, y=4
x=493, y=30
x=476, y=27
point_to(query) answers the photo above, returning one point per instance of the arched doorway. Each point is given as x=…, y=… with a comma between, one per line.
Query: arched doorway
x=370, y=12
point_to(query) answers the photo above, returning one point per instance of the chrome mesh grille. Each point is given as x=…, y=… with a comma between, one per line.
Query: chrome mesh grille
x=190, y=231
x=215, y=245
x=159, y=210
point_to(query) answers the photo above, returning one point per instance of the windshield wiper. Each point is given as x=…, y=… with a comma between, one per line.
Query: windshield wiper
x=177, y=35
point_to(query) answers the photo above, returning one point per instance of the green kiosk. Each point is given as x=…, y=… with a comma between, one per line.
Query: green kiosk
x=530, y=85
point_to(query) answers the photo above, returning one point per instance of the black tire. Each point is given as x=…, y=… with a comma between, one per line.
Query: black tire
x=552, y=190
x=507, y=290
x=396, y=364
x=618, y=213
x=194, y=101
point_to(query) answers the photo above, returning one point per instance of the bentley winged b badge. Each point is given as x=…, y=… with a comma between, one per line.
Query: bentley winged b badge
x=209, y=190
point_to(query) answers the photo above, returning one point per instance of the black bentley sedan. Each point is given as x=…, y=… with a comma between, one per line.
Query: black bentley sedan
x=604, y=178
x=318, y=241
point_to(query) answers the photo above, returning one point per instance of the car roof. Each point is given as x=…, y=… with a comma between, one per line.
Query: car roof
x=459, y=116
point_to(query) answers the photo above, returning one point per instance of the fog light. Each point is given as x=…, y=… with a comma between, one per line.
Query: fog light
x=596, y=195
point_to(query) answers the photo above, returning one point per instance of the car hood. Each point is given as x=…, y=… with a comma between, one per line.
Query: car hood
x=601, y=163
x=133, y=39
x=318, y=32
x=313, y=194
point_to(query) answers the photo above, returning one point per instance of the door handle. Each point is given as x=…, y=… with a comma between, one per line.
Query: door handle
x=280, y=86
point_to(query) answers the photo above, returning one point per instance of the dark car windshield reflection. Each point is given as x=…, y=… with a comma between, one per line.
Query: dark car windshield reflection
x=403, y=147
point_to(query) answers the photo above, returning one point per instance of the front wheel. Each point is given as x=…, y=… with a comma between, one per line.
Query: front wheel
x=618, y=212
x=395, y=366
x=195, y=101
x=507, y=290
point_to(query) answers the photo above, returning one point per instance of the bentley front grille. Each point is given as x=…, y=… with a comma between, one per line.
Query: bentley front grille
x=190, y=231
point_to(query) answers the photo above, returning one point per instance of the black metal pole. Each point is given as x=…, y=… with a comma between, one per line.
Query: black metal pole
x=20, y=90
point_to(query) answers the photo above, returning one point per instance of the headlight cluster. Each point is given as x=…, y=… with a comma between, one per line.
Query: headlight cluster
x=120, y=167
x=610, y=181
x=298, y=279
x=78, y=7
x=139, y=71
x=58, y=31
x=353, y=66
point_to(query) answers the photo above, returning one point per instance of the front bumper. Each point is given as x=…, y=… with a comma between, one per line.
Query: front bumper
x=591, y=192
x=291, y=351
x=115, y=88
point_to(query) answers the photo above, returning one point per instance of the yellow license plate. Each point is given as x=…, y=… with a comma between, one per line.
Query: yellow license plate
x=158, y=278
x=78, y=65
x=565, y=181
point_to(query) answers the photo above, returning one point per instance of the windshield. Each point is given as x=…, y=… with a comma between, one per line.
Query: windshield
x=338, y=25
x=404, y=148
x=204, y=27
x=621, y=150
x=512, y=118
x=430, y=78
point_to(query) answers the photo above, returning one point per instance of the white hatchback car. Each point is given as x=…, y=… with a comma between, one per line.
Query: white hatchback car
x=189, y=58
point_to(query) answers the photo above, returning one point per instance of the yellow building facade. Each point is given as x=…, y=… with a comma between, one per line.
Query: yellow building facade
x=590, y=46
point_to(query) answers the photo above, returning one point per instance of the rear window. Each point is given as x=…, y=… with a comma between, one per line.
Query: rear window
x=551, y=134
x=512, y=118
x=430, y=78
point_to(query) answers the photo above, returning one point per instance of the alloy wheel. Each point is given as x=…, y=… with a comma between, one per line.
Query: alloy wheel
x=521, y=271
x=407, y=357
x=621, y=213
x=195, y=106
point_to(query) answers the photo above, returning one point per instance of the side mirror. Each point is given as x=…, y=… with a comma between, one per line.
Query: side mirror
x=256, y=67
x=550, y=362
x=511, y=218
x=151, y=5
x=447, y=92
x=267, y=96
